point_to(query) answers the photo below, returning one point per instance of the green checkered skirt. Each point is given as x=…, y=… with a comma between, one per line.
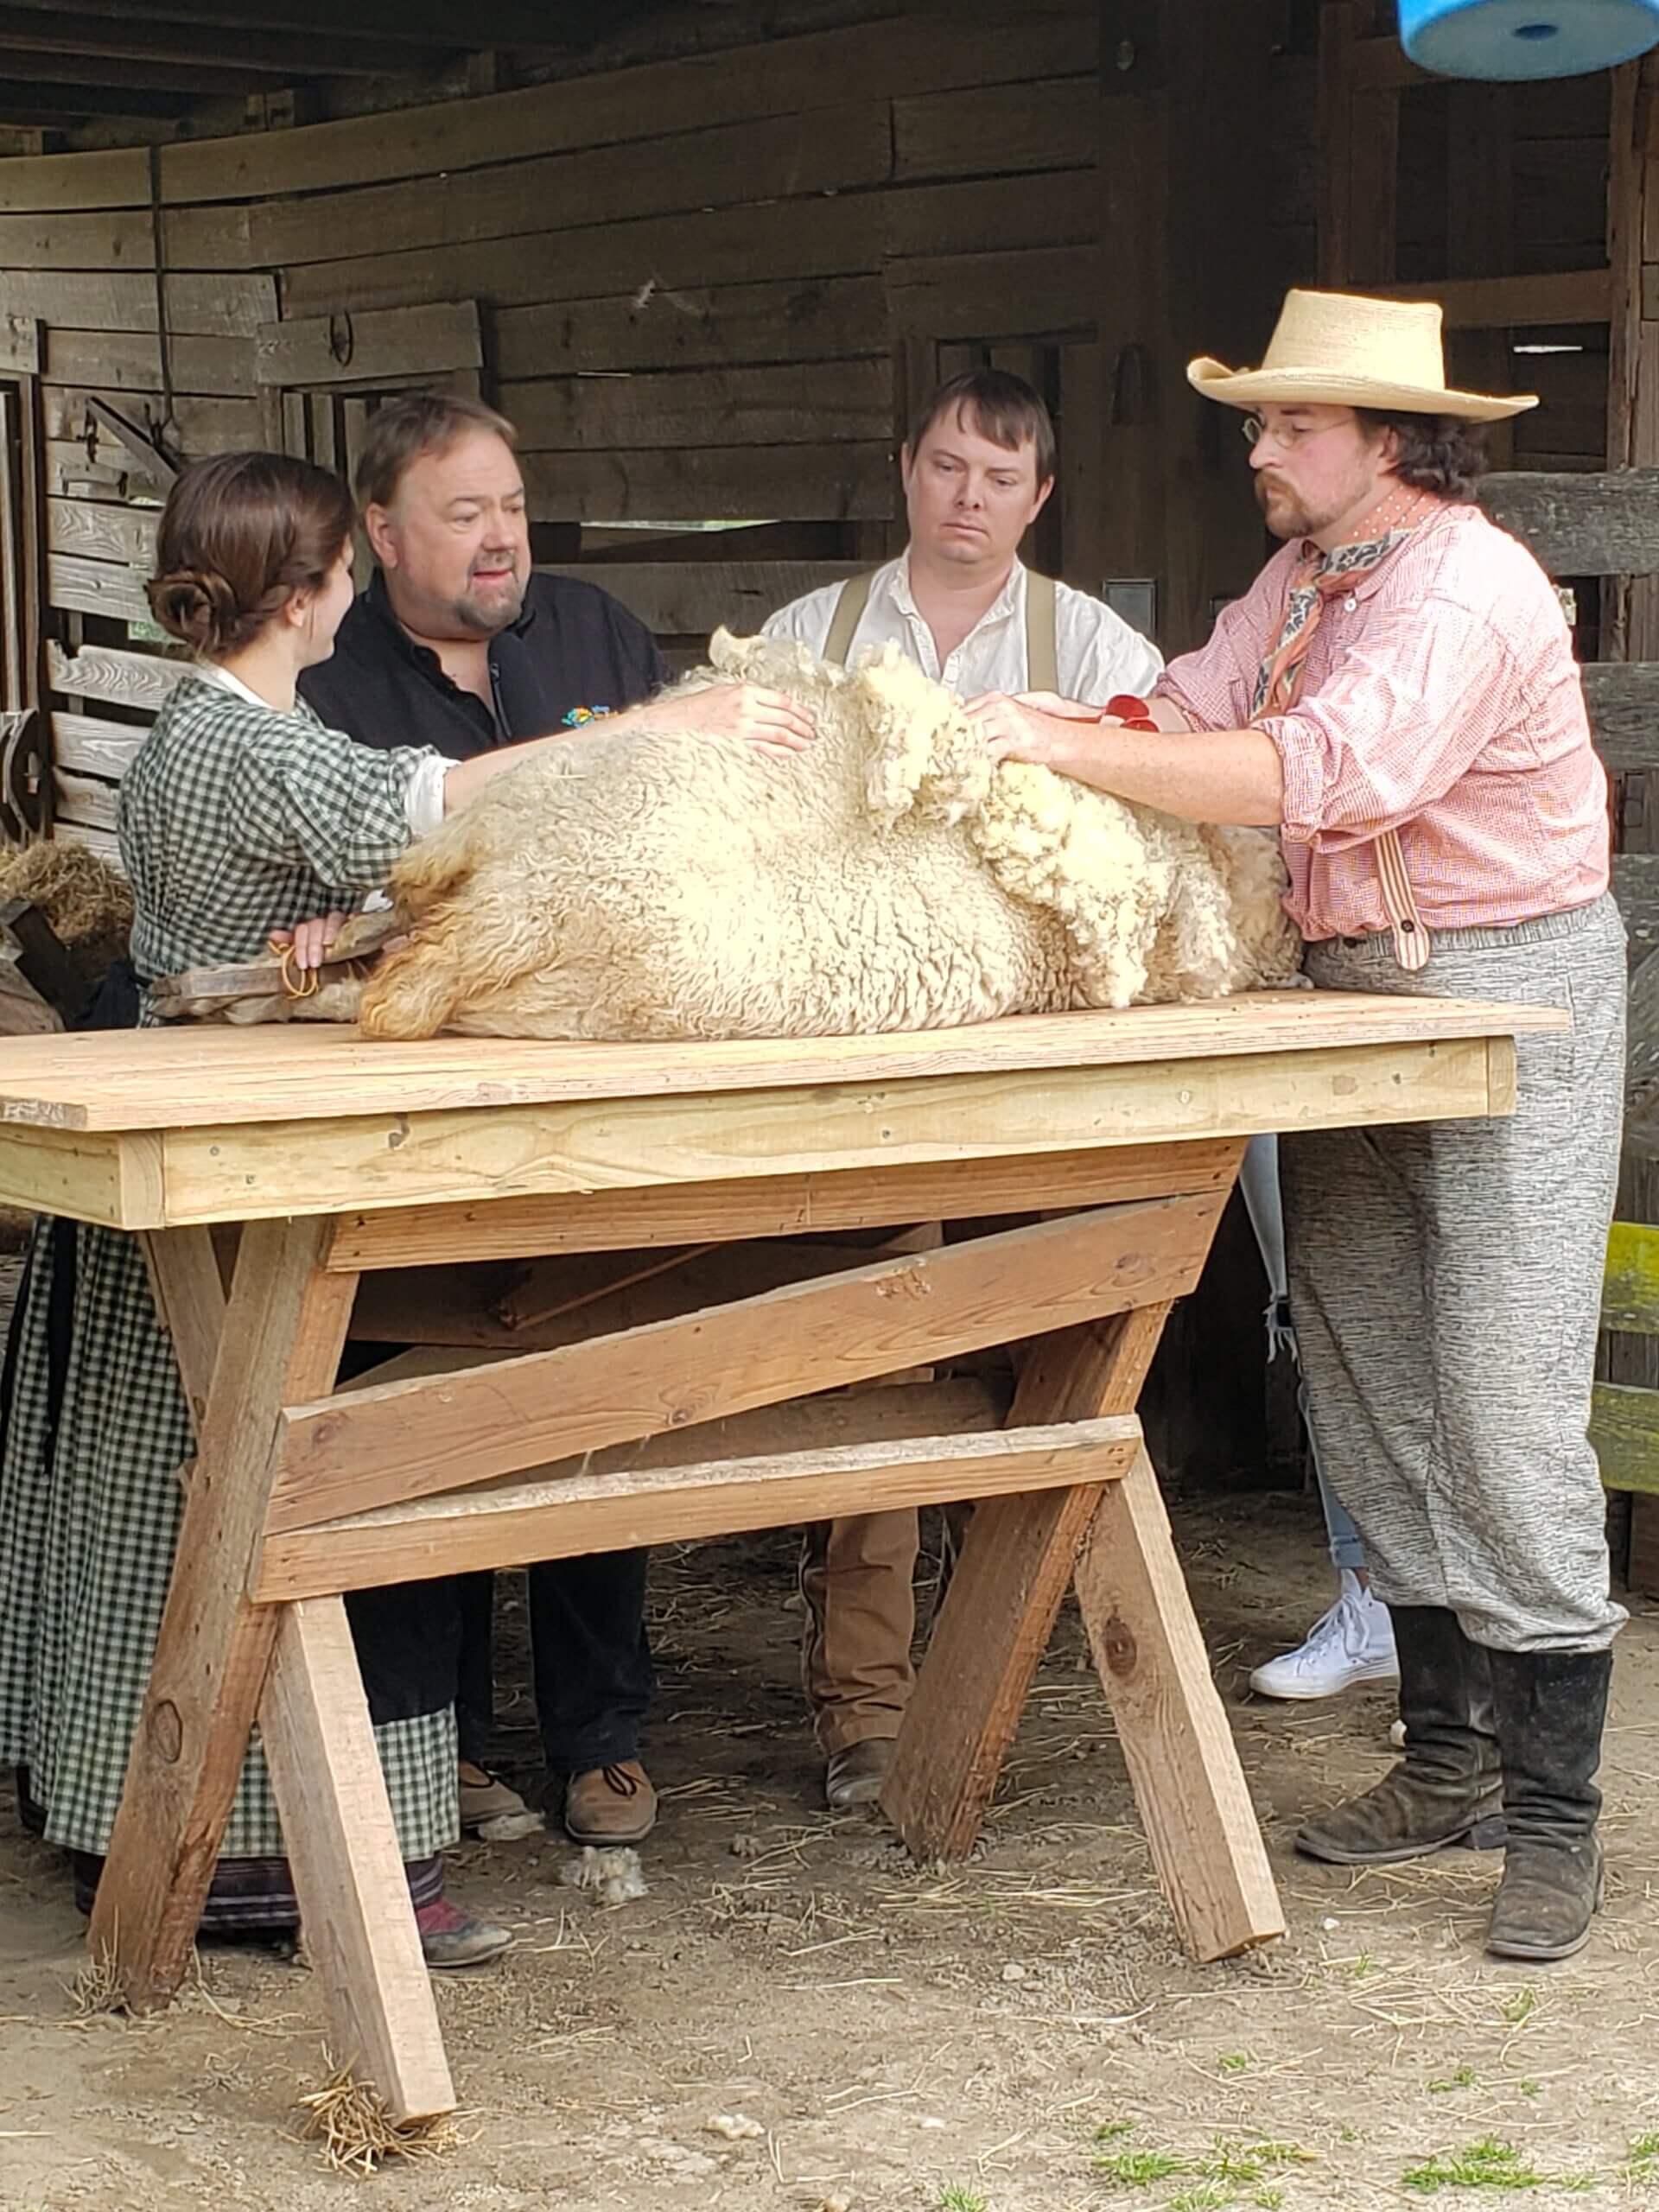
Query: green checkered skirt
x=89, y=1522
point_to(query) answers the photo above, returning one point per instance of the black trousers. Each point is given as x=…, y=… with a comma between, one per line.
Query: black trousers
x=591, y=1656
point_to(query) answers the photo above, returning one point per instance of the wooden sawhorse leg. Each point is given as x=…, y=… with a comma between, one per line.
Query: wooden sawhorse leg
x=994, y=1627
x=220, y=1659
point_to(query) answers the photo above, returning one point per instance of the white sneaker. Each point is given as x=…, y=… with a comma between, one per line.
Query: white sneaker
x=1353, y=1642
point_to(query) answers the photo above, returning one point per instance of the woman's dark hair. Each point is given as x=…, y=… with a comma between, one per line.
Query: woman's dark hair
x=240, y=534
x=1436, y=452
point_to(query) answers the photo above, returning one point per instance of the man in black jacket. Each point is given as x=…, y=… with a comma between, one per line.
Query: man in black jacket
x=457, y=644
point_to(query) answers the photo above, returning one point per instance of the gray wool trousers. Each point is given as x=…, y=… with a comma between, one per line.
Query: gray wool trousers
x=1446, y=1286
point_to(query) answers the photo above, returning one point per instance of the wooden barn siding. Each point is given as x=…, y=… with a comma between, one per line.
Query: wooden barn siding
x=697, y=278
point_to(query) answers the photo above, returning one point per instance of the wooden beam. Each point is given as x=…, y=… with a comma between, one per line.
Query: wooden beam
x=1581, y=525
x=360, y=1931
x=189, y=1294
x=66, y=67
x=1630, y=1292
x=217, y=306
x=1183, y=1763
x=250, y=49
x=116, y=176
x=1624, y=1432
x=776, y=76
x=833, y=149
x=67, y=107
x=96, y=587
x=578, y=1513
x=787, y=1205
x=284, y=1328
x=454, y=1156
x=494, y=23
x=1000, y=1609
x=668, y=326
x=86, y=746
x=96, y=532
x=1623, y=697
x=787, y=404
x=1570, y=295
x=410, y=1439
x=114, y=677
x=690, y=597
x=325, y=1772
x=356, y=349
x=131, y=361
x=810, y=483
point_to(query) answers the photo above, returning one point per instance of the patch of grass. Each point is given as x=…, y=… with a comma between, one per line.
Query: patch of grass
x=1488, y=2164
x=1235, y=2061
x=956, y=2197
x=1111, y=2130
x=1463, y=2079
x=1528, y=2088
x=1139, y=2169
x=1520, y=2008
x=1642, y=2162
x=1250, y=2161
x=1207, y=2197
x=1364, y=1967
x=1268, y=2200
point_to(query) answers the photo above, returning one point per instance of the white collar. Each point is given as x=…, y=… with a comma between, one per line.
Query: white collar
x=211, y=672
x=1005, y=604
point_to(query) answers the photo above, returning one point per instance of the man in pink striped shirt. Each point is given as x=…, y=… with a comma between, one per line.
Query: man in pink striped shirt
x=1396, y=696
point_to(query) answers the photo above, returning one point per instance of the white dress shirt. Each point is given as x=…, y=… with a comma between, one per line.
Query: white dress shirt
x=1097, y=652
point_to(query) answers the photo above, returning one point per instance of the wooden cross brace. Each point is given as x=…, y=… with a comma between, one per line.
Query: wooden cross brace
x=302, y=1491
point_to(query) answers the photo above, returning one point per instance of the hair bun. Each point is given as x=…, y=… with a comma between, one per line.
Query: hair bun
x=195, y=605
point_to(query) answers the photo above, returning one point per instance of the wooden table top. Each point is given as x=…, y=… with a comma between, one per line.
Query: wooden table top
x=199, y=1077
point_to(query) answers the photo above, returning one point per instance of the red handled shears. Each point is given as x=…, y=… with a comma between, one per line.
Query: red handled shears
x=1133, y=713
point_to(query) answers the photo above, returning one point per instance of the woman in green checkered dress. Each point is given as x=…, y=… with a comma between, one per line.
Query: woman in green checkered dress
x=240, y=816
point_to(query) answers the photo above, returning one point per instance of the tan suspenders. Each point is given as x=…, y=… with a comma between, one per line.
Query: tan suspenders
x=1042, y=650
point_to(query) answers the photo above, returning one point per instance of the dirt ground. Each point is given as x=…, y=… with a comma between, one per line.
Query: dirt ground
x=1019, y=2034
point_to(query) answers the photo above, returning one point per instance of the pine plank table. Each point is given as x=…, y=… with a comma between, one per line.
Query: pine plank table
x=645, y=1406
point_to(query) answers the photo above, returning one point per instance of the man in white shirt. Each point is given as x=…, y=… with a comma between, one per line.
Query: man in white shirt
x=978, y=468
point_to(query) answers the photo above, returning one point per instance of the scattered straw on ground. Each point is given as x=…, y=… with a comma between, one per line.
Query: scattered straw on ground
x=359, y=2136
x=97, y=1986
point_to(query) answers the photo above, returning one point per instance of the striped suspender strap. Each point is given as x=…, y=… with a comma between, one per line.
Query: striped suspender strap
x=854, y=598
x=1042, y=642
x=1411, y=942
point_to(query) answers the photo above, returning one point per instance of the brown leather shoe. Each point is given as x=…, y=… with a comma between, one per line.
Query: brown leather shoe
x=610, y=1804
x=855, y=1775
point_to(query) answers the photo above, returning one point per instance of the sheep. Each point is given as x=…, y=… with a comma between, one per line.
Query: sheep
x=628, y=885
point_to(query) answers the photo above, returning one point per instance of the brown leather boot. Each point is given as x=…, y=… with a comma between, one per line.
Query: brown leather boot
x=1446, y=1787
x=854, y=1776
x=610, y=1804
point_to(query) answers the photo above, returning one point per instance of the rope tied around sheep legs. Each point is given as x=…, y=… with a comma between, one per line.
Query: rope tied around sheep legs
x=305, y=987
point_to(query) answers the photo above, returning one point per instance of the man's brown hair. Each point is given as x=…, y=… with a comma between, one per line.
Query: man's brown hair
x=404, y=430
x=1000, y=406
x=1435, y=452
x=239, y=535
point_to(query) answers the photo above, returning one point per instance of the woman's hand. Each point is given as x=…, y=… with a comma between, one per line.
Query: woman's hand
x=312, y=939
x=769, y=720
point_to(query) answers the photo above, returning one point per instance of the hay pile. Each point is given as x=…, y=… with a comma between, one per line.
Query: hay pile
x=88, y=902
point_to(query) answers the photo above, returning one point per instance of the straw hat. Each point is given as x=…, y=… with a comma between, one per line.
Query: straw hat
x=1337, y=349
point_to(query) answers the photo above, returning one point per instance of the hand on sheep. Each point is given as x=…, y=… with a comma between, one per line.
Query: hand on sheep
x=312, y=939
x=767, y=719
x=1013, y=730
